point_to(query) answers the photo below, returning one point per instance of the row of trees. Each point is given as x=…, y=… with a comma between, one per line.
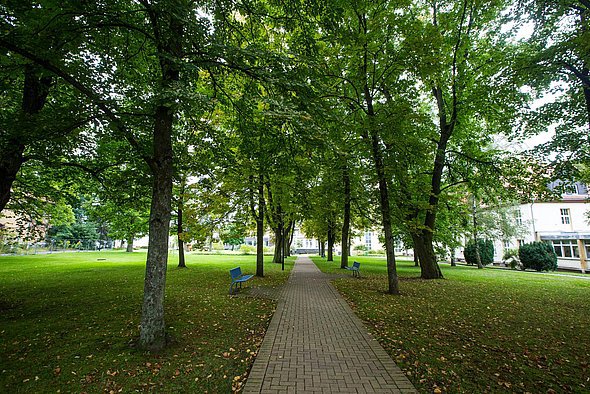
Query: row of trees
x=330, y=113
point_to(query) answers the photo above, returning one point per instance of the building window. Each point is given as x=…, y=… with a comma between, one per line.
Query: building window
x=518, y=216
x=571, y=188
x=507, y=244
x=566, y=248
x=368, y=236
x=565, y=216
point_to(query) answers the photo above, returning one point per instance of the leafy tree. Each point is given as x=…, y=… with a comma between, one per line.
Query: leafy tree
x=558, y=62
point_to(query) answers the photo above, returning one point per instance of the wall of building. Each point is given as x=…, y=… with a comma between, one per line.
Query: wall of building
x=562, y=223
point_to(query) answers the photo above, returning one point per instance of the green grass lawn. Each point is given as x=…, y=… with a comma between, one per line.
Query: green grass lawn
x=477, y=330
x=68, y=323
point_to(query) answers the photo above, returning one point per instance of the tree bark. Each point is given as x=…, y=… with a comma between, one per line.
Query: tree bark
x=152, y=334
x=129, y=245
x=35, y=91
x=279, y=239
x=346, y=219
x=153, y=328
x=180, y=231
x=477, y=255
x=416, y=261
x=260, y=230
x=372, y=138
x=425, y=252
x=289, y=229
x=331, y=239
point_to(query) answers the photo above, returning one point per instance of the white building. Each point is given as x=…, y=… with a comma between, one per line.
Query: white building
x=562, y=223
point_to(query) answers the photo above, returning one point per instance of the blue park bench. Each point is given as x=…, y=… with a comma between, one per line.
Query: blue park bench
x=356, y=269
x=237, y=278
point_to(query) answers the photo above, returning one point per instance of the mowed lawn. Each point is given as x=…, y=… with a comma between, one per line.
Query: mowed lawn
x=477, y=331
x=69, y=323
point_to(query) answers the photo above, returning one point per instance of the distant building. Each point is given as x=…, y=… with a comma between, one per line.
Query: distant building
x=563, y=223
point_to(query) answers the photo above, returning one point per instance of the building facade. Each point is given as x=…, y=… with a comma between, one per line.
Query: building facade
x=562, y=223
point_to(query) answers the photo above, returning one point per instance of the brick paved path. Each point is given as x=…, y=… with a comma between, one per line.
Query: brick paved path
x=315, y=343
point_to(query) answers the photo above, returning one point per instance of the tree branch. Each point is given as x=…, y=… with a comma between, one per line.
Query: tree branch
x=86, y=91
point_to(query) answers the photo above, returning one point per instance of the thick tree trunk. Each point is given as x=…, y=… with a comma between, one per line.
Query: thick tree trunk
x=153, y=328
x=129, y=245
x=260, y=230
x=346, y=219
x=322, y=248
x=179, y=232
x=35, y=91
x=11, y=159
x=152, y=334
x=377, y=155
x=416, y=261
x=428, y=263
x=426, y=256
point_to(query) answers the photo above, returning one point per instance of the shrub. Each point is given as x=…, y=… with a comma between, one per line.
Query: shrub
x=511, y=259
x=486, y=252
x=538, y=255
x=247, y=249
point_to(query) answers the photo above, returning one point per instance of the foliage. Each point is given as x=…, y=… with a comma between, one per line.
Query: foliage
x=485, y=248
x=79, y=232
x=247, y=249
x=538, y=255
x=484, y=319
x=233, y=234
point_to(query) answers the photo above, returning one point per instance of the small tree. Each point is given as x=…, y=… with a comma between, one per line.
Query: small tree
x=486, y=251
x=538, y=255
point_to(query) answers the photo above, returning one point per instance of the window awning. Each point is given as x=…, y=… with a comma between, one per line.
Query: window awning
x=546, y=236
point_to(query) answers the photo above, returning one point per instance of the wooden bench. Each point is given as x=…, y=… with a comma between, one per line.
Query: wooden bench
x=356, y=269
x=237, y=278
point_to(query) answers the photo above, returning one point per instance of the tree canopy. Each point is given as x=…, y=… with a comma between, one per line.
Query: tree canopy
x=230, y=116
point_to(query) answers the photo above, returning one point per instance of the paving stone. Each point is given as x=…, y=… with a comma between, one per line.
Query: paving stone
x=315, y=343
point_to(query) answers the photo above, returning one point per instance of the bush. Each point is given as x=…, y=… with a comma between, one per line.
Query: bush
x=511, y=259
x=247, y=249
x=538, y=255
x=486, y=252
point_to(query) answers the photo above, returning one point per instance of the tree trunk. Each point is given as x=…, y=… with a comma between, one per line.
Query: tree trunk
x=278, y=255
x=416, y=261
x=584, y=16
x=129, y=245
x=153, y=328
x=423, y=246
x=152, y=334
x=331, y=238
x=453, y=259
x=260, y=230
x=377, y=155
x=587, y=96
x=428, y=264
x=322, y=248
x=477, y=255
x=346, y=220
x=180, y=231
x=289, y=241
x=35, y=91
